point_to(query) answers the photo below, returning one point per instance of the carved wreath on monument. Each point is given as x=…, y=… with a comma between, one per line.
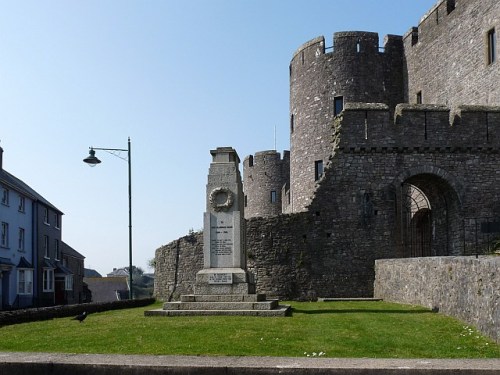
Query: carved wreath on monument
x=221, y=199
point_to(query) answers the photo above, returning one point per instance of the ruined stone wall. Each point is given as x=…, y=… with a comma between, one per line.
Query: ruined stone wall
x=176, y=265
x=464, y=287
x=446, y=57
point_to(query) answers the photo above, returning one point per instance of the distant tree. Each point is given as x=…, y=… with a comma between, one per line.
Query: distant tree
x=152, y=263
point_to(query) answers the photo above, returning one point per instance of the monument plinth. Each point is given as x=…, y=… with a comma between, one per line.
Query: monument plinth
x=224, y=268
x=224, y=286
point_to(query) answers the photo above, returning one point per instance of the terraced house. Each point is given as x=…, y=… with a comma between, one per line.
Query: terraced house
x=37, y=268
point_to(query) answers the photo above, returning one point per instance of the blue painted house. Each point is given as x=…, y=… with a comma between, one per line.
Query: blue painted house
x=33, y=269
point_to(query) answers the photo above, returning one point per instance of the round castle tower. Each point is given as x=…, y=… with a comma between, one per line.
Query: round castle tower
x=355, y=70
x=264, y=177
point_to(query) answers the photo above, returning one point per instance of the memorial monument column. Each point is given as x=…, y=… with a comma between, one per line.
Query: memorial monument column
x=224, y=269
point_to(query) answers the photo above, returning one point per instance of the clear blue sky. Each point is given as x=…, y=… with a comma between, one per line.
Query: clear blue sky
x=179, y=77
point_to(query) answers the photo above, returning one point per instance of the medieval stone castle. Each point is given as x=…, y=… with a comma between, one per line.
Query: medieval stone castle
x=394, y=152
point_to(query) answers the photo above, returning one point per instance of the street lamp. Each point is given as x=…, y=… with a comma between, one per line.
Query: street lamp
x=92, y=160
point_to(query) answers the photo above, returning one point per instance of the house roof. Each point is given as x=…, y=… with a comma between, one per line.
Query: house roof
x=118, y=272
x=68, y=250
x=23, y=263
x=107, y=289
x=16, y=184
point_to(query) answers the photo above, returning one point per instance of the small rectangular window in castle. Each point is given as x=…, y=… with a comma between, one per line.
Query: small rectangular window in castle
x=250, y=161
x=419, y=97
x=492, y=46
x=450, y=6
x=246, y=201
x=292, y=125
x=318, y=169
x=274, y=197
x=338, y=105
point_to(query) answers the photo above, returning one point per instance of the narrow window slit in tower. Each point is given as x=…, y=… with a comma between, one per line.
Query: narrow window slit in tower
x=487, y=127
x=358, y=46
x=491, y=46
x=425, y=125
x=366, y=124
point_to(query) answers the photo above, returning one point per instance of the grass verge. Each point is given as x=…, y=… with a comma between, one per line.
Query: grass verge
x=334, y=329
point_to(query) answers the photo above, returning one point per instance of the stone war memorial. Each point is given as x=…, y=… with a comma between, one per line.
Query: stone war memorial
x=224, y=286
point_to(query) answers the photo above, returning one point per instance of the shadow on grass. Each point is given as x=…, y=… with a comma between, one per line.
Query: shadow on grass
x=368, y=311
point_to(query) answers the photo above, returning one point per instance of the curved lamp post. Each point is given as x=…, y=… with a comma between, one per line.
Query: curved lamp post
x=92, y=160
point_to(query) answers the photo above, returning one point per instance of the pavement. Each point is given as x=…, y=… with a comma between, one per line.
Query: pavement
x=75, y=364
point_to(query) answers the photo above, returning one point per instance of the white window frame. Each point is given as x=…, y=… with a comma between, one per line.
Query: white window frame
x=4, y=242
x=5, y=197
x=57, y=249
x=21, y=239
x=24, y=281
x=46, y=216
x=46, y=247
x=48, y=279
x=22, y=204
x=68, y=282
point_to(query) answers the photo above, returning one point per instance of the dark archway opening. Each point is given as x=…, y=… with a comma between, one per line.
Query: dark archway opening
x=429, y=217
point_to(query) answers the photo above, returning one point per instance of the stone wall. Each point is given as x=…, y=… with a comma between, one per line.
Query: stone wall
x=446, y=55
x=464, y=287
x=176, y=265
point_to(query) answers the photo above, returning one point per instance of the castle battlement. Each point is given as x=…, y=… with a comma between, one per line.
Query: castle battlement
x=347, y=42
x=370, y=125
x=268, y=157
x=433, y=22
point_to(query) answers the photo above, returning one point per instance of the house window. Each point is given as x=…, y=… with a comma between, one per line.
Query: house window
x=68, y=282
x=492, y=46
x=57, y=220
x=46, y=215
x=24, y=281
x=20, y=245
x=338, y=105
x=419, y=97
x=57, y=250
x=274, y=197
x=5, y=197
x=46, y=246
x=22, y=203
x=48, y=279
x=318, y=169
x=5, y=235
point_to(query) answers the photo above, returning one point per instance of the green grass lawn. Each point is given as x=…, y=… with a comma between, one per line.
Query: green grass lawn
x=335, y=329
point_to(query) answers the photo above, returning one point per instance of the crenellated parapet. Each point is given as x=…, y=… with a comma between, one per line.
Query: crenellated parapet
x=418, y=127
x=264, y=175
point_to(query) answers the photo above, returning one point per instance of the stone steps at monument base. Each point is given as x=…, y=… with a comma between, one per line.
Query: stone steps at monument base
x=223, y=298
x=280, y=311
x=263, y=305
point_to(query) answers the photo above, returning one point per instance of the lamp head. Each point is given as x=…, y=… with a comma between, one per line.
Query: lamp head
x=91, y=160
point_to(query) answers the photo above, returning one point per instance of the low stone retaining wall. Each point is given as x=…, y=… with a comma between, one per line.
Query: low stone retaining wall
x=98, y=364
x=467, y=288
x=62, y=311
